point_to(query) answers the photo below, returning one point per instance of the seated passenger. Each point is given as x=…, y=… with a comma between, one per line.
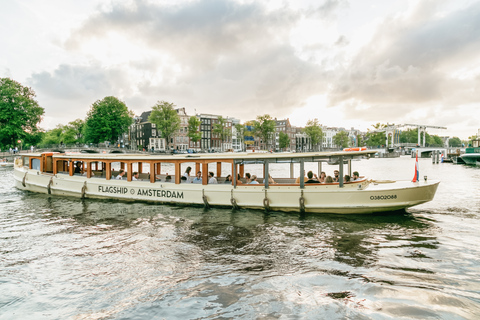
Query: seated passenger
x=135, y=176
x=356, y=176
x=198, y=178
x=228, y=179
x=347, y=178
x=254, y=180
x=336, y=178
x=168, y=179
x=120, y=175
x=304, y=178
x=183, y=179
x=323, y=175
x=247, y=178
x=312, y=178
x=211, y=179
x=239, y=179
x=270, y=180
x=329, y=179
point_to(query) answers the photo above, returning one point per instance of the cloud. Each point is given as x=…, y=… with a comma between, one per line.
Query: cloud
x=410, y=61
x=214, y=54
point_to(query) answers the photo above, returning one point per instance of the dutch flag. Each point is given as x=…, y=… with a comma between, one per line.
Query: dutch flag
x=417, y=173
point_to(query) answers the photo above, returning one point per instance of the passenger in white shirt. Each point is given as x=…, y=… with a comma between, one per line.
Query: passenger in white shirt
x=121, y=174
x=211, y=179
x=135, y=176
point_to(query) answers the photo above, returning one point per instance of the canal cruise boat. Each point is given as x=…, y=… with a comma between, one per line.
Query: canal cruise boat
x=96, y=177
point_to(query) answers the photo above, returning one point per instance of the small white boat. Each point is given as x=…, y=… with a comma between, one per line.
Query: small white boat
x=4, y=163
x=55, y=173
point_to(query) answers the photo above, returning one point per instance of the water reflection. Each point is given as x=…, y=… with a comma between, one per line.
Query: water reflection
x=254, y=241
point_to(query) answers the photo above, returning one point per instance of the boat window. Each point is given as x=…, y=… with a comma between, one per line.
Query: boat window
x=36, y=164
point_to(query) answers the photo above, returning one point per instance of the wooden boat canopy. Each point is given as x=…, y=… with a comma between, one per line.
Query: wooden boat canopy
x=53, y=163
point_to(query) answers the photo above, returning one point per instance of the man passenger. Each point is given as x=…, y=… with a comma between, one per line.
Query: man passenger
x=312, y=178
x=121, y=174
x=212, y=179
x=355, y=176
x=198, y=178
x=135, y=176
x=336, y=177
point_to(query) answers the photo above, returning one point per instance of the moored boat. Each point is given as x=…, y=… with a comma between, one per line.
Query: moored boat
x=92, y=176
x=472, y=153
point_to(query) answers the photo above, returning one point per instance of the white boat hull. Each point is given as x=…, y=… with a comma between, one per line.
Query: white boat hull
x=355, y=198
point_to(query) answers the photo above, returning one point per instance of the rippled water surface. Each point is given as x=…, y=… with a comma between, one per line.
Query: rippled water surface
x=64, y=258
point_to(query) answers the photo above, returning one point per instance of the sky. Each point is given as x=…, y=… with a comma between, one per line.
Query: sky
x=346, y=63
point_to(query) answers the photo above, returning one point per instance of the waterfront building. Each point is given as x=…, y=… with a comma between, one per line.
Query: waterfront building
x=141, y=131
x=180, y=140
x=211, y=141
x=285, y=127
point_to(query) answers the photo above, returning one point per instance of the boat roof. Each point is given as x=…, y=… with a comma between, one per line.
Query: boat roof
x=237, y=157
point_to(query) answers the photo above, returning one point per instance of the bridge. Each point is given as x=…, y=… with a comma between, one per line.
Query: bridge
x=393, y=130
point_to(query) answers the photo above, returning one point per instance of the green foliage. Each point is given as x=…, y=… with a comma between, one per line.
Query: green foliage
x=341, y=139
x=264, y=127
x=221, y=130
x=455, y=142
x=166, y=119
x=409, y=136
x=107, y=120
x=375, y=139
x=68, y=134
x=314, y=132
x=19, y=113
x=284, y=140
x=194, y=129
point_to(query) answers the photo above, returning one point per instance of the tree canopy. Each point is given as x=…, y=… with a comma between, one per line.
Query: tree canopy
x=314, y=132
x=283, y=140
x=455, y=142
x=107, y=120
x=20, y=113
x=68, y=134
x=264, y=127
x=194, y=129
x=376, y=139
x=166, y=118
x=341, y=139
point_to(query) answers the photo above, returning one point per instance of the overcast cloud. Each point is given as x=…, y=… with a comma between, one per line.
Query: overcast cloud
x=415, y=63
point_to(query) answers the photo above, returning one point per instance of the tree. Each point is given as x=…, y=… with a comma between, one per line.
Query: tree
x=264, y=127
x=283, y=140
x=455, y=142
x=194, y=129
x=53, y=136
x=375, y=139
x=166, y=119
x=107, y=120
x=19, y=113
x=221, y=130
x=314, y=132
x=341, y=139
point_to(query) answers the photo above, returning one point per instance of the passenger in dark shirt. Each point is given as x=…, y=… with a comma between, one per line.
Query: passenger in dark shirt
x=311, y=178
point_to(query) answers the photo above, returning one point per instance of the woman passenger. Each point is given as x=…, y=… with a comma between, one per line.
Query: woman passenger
x=329, y=179
x=187, y=174
x=322, y=177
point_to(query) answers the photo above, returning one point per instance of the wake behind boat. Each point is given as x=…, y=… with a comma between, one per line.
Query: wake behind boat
x=54, y=173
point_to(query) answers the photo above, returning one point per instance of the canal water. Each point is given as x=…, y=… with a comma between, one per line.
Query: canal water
x=64, y=258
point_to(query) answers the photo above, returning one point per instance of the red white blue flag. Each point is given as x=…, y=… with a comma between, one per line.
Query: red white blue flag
x=417, y=173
